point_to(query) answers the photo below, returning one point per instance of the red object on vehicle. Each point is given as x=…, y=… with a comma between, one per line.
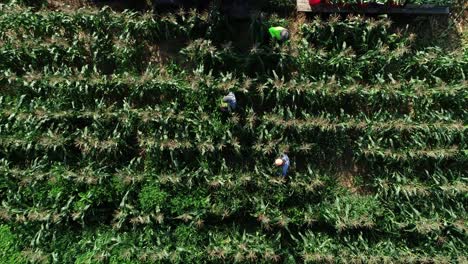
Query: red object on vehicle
x=314, y=2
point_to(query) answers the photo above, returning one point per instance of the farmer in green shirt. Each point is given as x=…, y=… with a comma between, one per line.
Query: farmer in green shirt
x=279, y=33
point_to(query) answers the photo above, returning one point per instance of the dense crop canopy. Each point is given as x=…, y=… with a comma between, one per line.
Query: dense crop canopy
x=113, y=148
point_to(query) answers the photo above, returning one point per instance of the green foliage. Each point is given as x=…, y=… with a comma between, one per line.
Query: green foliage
x=183, y=202
x=352, y=211
x=152, y=198
x=188, y=240
x=113, y=149
x=8, y=243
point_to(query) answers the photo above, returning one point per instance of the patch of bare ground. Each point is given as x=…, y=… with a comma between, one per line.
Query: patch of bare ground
x=167, y=50
x=69, y=5
x=348, y=180
x=349, y=175
x=462, y=25
x=450, y=33
x=66, y=4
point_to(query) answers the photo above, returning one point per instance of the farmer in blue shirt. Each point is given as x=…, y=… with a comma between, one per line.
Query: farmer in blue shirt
x=283, y=161
x=229, y=102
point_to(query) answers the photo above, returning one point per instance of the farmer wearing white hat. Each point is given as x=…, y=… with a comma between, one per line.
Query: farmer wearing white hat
x=283, y=161
x=229, y=102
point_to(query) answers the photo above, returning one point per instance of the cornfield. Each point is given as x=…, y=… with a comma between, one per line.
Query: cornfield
x=113, y=148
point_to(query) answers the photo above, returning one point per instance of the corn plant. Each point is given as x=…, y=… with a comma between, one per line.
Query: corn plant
x=113, y=147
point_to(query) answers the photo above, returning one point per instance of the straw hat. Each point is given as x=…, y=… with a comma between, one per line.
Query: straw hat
x=278, y=162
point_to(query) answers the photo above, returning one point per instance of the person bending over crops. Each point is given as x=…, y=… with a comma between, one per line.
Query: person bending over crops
x=279, y=33
x=283, y=162
x=229, y=102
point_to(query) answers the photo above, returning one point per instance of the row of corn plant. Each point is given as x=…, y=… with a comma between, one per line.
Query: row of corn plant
x=346, y=212
x=412, y=98
x=319, y=248
x=319, y=63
